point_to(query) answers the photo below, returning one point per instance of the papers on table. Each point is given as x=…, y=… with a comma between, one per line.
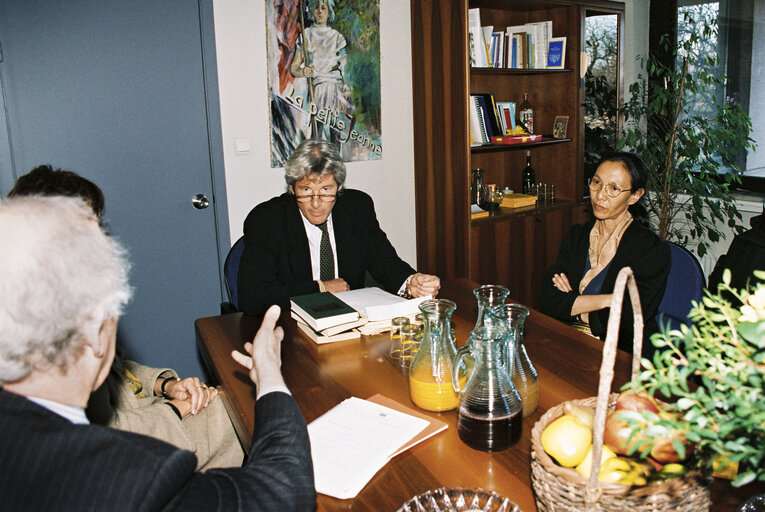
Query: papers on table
x=353, y=440
x=379, y=307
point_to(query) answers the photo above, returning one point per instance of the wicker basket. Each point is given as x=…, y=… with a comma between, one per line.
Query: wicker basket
x=559, y=489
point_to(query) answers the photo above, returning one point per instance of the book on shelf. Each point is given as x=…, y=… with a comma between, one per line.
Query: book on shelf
x=481, y=135
x=476, y=133
x=516, y=200
x=322, y=310
x=487, y=32
x=477, y=45
x=352, y=441
x=489, y=106
x=516, y=139
x=506, y=114
x=322, y=337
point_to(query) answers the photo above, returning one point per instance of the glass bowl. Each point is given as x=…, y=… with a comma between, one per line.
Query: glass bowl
x=459, y=499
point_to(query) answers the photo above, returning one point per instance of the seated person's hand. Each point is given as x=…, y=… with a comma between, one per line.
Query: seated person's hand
x=190, y=395
x=421, y=285
x=264, y=359
x=560, y=281
x=336, y=285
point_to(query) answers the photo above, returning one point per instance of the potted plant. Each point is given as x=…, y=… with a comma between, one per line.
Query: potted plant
x=713, y=374
x=691, y=142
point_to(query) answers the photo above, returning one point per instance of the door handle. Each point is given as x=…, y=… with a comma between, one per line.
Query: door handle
x=200, y=202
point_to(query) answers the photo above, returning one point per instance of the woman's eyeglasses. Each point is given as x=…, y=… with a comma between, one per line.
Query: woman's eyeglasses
x=327, y=198
x=611, y=190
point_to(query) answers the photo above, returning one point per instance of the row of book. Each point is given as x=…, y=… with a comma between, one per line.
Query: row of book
x=517, y=47
x=489, y=118
x=329, y=317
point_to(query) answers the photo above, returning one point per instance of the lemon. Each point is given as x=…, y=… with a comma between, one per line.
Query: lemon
x=615, y=470
x=566, y=440
x=584, y=467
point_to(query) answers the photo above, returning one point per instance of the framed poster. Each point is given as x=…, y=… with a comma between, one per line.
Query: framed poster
x=324, y=76
x=556, y=53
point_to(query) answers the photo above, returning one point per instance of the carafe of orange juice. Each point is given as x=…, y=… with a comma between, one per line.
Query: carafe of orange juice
x=519, y=365
x=430, y=374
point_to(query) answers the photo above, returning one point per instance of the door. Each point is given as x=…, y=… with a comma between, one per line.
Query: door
x=125, y=94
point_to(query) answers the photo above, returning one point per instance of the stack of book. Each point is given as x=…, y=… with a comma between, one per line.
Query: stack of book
x=489, y=118
x=518, y=47
x=324, y=318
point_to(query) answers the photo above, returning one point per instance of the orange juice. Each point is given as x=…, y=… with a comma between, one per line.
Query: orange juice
x=433, y=395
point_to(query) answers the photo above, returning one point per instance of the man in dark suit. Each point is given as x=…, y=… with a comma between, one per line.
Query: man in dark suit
x=319, y=236
x=63, y=283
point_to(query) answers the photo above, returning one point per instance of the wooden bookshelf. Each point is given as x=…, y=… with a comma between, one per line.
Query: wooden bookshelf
x=512, y=248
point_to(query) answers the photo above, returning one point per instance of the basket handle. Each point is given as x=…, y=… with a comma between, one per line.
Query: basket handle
x=626, y=278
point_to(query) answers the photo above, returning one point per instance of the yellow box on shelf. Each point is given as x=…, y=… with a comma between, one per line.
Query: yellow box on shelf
x=518, y=200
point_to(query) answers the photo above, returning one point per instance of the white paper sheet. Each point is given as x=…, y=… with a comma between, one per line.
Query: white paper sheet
x=377, y=304
x=353, y=440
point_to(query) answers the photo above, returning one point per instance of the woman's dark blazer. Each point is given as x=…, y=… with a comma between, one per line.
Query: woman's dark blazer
x=642, y=250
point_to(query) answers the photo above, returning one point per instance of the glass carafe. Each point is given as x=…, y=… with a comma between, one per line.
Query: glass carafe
x=490, y=414
x=488, y=296
x=430, y=375
x=519, y=366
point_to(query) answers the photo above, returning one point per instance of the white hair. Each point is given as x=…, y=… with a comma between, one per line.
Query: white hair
x=60, y=277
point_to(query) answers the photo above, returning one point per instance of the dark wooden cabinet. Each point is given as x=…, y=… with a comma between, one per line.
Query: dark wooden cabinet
x=510, y=247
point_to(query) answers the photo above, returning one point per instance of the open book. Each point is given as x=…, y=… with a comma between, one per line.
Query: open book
x=356, y=438
x=379, y=307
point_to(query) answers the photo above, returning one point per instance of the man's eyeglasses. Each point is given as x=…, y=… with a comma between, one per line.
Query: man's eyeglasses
x=327, y=198
x=611, y=190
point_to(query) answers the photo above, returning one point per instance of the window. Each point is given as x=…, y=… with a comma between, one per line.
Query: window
x=740, y=35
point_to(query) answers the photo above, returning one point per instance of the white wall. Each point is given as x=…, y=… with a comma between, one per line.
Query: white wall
x=240, y=36
x=635, y=39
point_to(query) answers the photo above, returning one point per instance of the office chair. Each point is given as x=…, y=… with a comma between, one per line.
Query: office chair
x=231, y=273
x=685, y=283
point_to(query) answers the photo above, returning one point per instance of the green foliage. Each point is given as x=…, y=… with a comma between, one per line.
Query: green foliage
x=691, y=153
x=717, y=382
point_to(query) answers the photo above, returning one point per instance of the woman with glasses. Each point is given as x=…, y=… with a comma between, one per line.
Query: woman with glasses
x=579, y=286
x=318, y=236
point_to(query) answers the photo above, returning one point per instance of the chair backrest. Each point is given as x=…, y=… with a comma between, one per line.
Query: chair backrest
x=685, y=283
x=231, y=271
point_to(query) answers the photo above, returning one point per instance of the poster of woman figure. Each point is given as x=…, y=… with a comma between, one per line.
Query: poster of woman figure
x=324, y=76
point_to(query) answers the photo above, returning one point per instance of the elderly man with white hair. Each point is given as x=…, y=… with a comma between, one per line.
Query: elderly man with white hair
x=63, y=283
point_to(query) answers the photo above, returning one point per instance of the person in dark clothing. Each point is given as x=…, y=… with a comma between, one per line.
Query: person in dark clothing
x=579, y=286
x=745, y=255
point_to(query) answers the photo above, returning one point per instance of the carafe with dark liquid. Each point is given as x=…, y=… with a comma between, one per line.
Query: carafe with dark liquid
x=490, y=410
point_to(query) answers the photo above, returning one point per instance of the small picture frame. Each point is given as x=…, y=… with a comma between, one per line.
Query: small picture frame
x=559, y=127
x=556, y=53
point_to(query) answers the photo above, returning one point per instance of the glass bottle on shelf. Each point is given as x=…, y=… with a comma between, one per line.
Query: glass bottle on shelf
x=476, y=186
x=528, y=177
x=526, y=113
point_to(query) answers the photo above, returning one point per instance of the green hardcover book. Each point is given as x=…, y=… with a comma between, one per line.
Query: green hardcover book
x=322, y=310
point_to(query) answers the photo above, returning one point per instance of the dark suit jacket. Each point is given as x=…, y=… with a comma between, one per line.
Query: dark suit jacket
x=49, y=463
x=642, y=250
x=276, y=263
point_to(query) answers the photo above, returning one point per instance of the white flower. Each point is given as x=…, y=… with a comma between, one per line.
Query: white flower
x=754, y=309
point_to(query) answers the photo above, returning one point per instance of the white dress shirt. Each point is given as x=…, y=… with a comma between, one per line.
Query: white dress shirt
x=313, y=233
x=74, y=414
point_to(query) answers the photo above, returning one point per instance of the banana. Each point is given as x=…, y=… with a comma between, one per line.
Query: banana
x=584, y=414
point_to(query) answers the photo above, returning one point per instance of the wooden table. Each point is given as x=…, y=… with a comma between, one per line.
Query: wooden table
x=321, y=376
